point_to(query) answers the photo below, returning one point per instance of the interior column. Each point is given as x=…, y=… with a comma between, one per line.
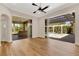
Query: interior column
x=61, y=29
x=53, y=29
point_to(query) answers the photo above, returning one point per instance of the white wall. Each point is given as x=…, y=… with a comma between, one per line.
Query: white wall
x=35, y=28
x=38, y=27
x=5, y=11
x=77, y=26
x=41, y=28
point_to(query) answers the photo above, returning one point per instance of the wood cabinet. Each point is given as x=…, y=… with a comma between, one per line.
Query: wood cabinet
x=22, y=34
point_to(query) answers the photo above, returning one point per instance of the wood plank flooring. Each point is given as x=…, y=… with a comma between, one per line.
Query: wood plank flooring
x=38, y=47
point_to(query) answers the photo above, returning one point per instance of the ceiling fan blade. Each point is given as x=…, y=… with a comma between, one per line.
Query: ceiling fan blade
x=34, y=4
x=34, y=12
x=45, y=8
x=44, y=11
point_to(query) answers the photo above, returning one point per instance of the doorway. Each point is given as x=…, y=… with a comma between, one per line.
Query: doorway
x=61, y=28
x=21, y=29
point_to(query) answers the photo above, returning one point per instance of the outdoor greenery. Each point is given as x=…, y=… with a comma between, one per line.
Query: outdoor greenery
x=65, y=29
x=57, y=29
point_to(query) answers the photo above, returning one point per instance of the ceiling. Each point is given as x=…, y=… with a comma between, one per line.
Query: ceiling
x=18, y=19
x=28, y=8
x=62, y=18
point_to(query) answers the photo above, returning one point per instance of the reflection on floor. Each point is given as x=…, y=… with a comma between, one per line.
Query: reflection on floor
x=37, y=47
x=63, y=37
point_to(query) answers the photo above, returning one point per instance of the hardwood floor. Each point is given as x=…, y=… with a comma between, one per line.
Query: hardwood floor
x=37, y=47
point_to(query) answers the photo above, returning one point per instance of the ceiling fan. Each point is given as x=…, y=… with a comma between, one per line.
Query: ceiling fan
x=40, y=8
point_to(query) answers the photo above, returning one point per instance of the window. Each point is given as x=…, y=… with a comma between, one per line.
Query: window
x=16, y=27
